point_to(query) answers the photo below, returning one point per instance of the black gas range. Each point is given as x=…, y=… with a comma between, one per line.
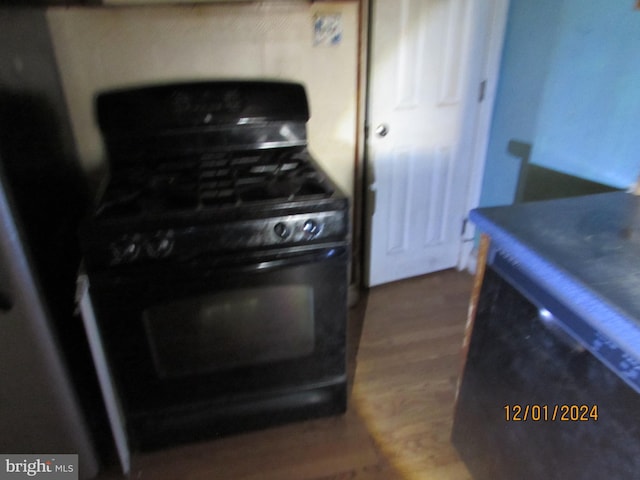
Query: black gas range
x=217, y=260
x=229, y=151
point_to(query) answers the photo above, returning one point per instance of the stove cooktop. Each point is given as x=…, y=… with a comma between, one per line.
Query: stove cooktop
x=215, y=180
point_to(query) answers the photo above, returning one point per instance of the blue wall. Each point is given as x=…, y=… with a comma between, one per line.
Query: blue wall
x=570, y=86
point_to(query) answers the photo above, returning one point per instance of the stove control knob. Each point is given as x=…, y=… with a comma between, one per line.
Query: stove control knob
x=281, y=230
x=124, y=250
x=160, y=245
x=311, y=228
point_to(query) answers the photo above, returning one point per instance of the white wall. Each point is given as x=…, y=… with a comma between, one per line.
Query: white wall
x=102, y=48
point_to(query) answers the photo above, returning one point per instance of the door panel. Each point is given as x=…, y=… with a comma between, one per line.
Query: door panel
x=438, y=186
x=425, y=71
x=451, y=80
x=399, y=201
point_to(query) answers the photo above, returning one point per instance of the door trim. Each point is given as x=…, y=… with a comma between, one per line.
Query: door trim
x=467, y=256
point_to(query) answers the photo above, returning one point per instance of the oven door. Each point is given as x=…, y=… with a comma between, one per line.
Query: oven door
x=224, y=330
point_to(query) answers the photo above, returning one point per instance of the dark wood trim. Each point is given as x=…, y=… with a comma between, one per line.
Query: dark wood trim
x=481, y=265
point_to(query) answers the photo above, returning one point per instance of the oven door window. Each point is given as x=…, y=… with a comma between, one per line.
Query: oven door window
x=231, y=329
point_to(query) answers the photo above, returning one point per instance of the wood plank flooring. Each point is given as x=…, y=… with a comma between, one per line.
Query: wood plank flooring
x=404, y=361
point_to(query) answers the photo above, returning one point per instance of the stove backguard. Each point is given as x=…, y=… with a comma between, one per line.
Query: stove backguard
x=160, y=121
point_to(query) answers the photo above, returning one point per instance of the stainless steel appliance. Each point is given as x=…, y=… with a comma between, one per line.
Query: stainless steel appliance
x=43, y=351
x=217, y=261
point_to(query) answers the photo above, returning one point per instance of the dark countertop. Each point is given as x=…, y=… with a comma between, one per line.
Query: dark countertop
x=584, y=249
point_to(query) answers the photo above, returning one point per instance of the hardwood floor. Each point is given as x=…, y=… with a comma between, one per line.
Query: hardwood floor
x=403, y=373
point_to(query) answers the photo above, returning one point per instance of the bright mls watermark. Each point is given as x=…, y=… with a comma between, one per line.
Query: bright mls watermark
x=51, y=467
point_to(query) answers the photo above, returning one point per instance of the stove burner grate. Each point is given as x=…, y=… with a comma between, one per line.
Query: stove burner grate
x=211, y=180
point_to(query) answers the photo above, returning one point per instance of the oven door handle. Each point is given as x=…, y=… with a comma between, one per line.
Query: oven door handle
x=260, y=263
x=316, y=256
x=207, y=265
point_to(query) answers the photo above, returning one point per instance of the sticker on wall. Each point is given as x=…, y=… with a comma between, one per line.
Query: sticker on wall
x=327, y=29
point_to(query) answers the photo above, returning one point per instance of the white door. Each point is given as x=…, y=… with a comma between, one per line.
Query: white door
x=428, y=62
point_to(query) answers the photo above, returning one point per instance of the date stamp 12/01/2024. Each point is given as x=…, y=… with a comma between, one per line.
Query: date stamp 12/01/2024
x=550, y=413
